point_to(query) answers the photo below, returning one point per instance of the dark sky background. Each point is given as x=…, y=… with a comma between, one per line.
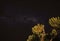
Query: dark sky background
x=18, y=17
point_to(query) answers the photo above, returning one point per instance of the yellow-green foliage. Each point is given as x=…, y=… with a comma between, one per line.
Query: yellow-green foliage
x=40, y=31
x=30, y=37
x=37, y=28
x=54, y=32
x=54, y=21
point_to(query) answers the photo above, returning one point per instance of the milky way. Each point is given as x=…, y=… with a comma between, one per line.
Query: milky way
x=17, y=18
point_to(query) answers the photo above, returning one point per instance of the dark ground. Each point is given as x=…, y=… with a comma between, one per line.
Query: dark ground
x=18, y=17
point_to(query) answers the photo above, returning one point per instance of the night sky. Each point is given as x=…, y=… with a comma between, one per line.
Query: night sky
x=18, y=17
